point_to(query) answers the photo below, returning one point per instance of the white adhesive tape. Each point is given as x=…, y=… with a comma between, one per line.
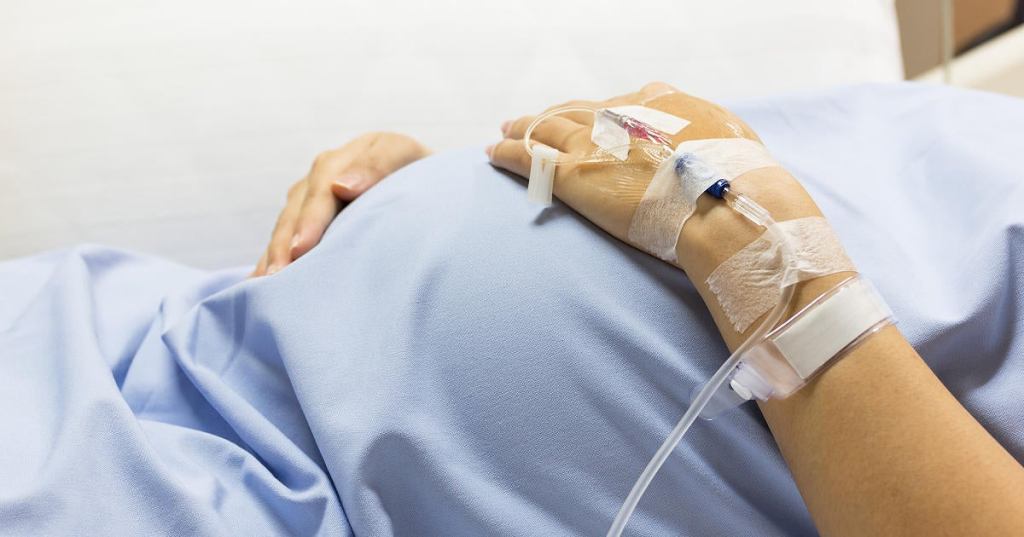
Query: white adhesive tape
x=730, y=157
x=671, y=198
x=809, y=341
x=749, y=283
x=663, y=121
x=612, y=137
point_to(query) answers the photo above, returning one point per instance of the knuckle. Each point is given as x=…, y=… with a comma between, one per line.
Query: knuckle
x=324, y=158
x=508, y=148
x=575, y=137
x=502, y=152
x=516, y=128
x=276, y=239
x=524, y=158
x=573, y=103
x=373, y=169
x=659, y=86
x=277, y=225
x=524, y=165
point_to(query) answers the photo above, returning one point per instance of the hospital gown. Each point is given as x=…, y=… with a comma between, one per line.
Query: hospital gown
x=453, y=360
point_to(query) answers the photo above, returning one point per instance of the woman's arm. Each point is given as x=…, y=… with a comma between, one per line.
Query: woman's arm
x=876, y=444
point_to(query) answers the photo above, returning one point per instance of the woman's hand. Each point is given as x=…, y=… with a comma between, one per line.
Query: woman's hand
x=608, y=193
x=337, y=176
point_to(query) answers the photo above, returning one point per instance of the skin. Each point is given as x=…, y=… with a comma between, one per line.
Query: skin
x=876, y=443
x=336, y=177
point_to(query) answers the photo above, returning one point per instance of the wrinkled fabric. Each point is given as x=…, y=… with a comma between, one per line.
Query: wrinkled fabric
x=453, y=360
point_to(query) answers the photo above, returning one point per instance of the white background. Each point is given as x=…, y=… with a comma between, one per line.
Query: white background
x=175, y=127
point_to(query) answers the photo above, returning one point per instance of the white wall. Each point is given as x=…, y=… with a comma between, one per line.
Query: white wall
x=175, y=127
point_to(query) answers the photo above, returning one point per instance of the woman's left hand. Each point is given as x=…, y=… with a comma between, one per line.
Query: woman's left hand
x=609, y=193
x=337, y=177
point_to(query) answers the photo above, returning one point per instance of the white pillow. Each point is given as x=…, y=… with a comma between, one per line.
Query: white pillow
x=176, y=127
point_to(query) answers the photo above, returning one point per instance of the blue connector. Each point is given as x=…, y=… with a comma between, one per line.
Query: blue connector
x=718, y=189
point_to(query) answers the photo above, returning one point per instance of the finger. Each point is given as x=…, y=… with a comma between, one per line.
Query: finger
x=343, y=175
x=558, y=132
x=318, y=206
x=510, y=155
x=374, y=164
x=385, y=154
x=355, y=183
x=318, y=210
x=402, y=152
x=261, y=266
x=294, y=193
x=279, y=250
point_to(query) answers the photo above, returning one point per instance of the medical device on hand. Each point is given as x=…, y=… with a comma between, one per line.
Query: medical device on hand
x=780, y=356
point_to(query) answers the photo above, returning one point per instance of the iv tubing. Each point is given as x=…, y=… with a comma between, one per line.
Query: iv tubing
x=606, y=154
x=758, y=215
x=550, y=113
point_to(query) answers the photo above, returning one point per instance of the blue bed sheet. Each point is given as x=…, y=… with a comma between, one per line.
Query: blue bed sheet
x=455, y=361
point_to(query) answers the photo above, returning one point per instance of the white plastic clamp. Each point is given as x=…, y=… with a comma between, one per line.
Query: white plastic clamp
x=542, y=174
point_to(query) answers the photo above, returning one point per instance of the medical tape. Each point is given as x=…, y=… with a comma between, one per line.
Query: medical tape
x=614, y=138
x=671, y=197
x=749, y=283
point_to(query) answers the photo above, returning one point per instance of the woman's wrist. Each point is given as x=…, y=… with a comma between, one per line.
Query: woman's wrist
x=715, y=232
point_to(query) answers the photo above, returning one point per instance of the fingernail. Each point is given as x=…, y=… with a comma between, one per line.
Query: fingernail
x=272, y=269
x=295, y=241
x=505, y=126
x=489, y=149
x=351, y=182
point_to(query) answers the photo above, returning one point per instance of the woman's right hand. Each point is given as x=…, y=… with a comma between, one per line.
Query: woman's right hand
x=336, y=177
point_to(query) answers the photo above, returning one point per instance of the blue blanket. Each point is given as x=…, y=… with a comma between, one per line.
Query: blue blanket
x=455, y=361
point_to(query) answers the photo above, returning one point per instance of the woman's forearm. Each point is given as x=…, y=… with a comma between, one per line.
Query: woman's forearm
x=876, y=443
x=878, y=446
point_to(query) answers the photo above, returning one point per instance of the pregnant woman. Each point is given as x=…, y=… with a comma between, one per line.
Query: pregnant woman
x=448, y=359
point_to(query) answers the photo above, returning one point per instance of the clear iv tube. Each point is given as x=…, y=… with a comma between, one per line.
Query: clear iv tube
x=653, y=137
x=600, y=155
x=760, y=216
x=547, y=115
